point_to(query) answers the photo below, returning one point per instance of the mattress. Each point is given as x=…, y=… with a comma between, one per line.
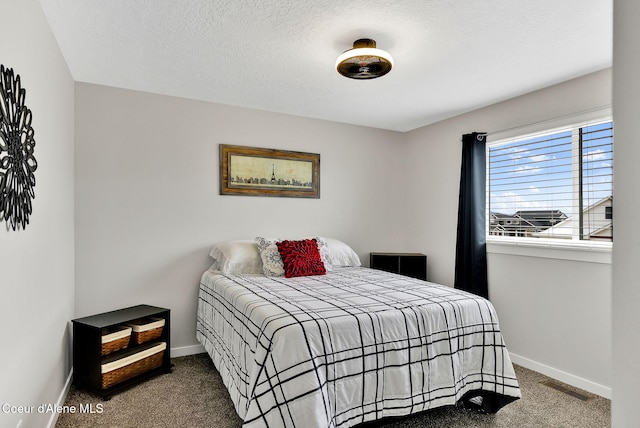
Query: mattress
x=351, y=346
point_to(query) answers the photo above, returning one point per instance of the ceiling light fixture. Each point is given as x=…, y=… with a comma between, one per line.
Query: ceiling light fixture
x=364, y=61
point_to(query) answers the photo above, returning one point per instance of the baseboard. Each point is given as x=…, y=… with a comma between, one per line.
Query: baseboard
x=61, y=399
x=183, y=351
x=576, y=381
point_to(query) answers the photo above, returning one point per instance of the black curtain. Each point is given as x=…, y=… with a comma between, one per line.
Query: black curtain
x=471, y=248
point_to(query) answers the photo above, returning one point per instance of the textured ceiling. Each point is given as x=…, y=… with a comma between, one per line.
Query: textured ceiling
x=451, y=56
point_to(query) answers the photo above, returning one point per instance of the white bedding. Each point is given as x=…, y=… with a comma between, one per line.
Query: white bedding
x=351, y=346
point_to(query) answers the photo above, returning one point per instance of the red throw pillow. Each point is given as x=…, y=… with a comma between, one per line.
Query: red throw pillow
x=301, y=258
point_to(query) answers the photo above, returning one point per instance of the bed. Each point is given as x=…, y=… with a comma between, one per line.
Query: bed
x=346, y=346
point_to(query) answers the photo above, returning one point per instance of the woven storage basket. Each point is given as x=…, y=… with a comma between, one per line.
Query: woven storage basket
x=115, y=338
x=131, y=366
x=146, y=329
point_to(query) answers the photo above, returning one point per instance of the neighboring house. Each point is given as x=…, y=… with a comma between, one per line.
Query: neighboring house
x=597, y=223
x=524, y=223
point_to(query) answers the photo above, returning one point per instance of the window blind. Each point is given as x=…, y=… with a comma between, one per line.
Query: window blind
x=556, y=184
x=596, y=187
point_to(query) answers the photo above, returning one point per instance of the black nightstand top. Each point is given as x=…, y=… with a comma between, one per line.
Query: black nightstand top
x=386, y=253
x=119, y=316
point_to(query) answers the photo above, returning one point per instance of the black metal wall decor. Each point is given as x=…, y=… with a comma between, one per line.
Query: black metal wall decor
x=17, y=162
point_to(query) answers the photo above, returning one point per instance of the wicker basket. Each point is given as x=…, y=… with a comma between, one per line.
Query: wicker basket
x=132, y=365
x=146, y=329
x=115, y=338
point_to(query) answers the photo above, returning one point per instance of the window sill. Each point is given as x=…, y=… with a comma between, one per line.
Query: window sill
x=592, y=252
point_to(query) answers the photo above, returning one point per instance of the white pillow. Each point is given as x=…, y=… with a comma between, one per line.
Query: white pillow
x=236, y=257
x=270, y=256
x=340, y=254
x=323, y=248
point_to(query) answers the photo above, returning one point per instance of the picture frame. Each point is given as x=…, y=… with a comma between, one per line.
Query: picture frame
x=255, y=171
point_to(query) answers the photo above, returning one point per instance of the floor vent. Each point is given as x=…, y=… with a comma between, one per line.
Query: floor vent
x=558, y=387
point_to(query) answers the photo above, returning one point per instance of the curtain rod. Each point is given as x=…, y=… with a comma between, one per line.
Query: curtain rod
x=555, y=119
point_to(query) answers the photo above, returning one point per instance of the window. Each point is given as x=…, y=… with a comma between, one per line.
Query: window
x=553, y=185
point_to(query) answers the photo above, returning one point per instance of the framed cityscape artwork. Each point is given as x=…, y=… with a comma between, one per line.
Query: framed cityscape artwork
x=255, y=171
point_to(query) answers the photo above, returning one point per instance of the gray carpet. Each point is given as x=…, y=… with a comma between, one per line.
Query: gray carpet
x=193, y=396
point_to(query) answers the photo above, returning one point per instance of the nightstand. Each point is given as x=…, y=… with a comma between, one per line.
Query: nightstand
x=408, y=264
x=114, y=350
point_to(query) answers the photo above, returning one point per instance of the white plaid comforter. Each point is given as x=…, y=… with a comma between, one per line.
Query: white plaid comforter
x=351, y=346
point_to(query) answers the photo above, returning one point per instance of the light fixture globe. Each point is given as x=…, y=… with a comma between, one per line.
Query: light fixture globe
x=364, y=61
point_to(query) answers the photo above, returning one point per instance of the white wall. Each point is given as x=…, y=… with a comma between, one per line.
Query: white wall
x=626, y=205
x=555, y=315
x=148, y=206
x=36, y=264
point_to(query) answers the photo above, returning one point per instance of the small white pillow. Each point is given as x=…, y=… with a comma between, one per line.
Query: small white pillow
x=323, y=248
x=340, y=254
x=270, y=256
x=236, y=257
